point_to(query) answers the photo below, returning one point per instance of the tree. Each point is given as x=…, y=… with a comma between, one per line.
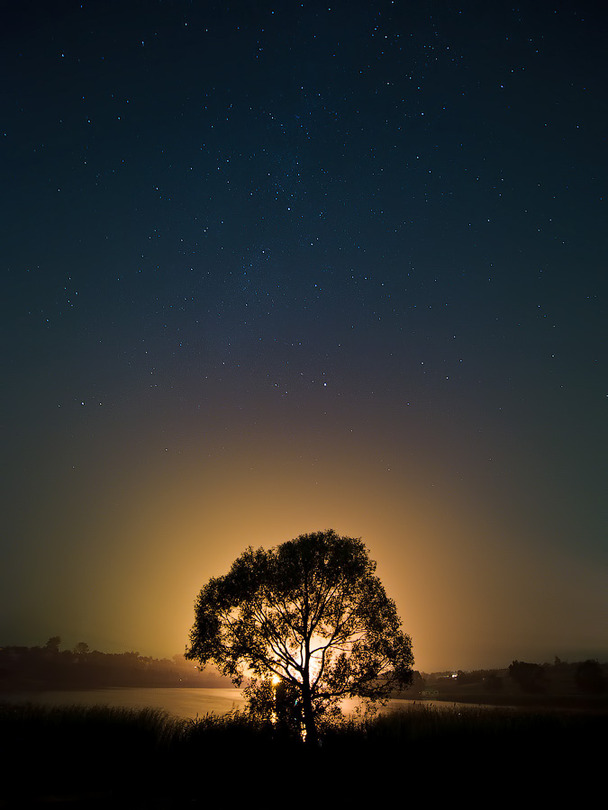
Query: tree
x=530, y=677
x=308, y=615
x=589, y=677
x=53, y=643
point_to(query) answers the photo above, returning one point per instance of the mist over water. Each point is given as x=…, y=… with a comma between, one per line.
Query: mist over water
x=184, y=703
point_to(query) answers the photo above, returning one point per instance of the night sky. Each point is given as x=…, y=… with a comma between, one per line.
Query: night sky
x=272, y=268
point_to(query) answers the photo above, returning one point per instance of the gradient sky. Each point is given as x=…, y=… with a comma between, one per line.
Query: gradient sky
x=271, y=268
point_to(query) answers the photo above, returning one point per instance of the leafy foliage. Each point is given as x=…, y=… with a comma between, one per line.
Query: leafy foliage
x=589, y=677
x=530, y=677
x=309, y=614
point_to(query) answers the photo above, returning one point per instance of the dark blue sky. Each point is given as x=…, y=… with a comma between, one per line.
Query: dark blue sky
x=271, y=268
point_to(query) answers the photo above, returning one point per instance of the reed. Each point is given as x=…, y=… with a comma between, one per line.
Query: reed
x=103, y=754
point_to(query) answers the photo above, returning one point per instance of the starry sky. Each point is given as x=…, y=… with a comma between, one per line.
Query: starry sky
x=271, y=268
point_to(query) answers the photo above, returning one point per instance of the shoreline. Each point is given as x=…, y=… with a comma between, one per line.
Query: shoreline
x=518, y=702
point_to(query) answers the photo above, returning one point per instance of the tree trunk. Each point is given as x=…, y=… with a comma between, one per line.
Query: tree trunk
x=312, y=738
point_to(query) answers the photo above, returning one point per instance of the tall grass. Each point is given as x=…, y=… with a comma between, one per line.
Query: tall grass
x=104, y=756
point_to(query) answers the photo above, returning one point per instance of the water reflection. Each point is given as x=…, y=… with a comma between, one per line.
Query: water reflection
x=186, y=703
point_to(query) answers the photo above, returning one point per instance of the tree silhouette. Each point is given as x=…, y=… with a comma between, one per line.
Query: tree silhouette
x=530, y=677
x=308, y=615
x=53, y=643
x=590, y=678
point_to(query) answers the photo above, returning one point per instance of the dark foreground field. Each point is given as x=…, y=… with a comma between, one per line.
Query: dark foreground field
x=101, y=757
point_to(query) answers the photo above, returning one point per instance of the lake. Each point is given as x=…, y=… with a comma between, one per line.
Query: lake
x=186, y=703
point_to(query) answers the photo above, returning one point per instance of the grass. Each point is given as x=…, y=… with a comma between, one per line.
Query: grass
x=105, y=757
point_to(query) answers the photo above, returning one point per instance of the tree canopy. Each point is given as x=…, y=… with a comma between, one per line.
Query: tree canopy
x=309, y=617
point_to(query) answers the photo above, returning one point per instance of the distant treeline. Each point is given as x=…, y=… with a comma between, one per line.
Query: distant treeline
x=528, y=681
x=48, y=667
